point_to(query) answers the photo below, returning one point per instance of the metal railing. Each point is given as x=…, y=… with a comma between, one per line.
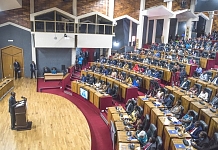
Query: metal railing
x=71, y=27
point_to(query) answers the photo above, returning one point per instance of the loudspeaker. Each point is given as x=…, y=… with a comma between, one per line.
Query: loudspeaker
x=63, y=67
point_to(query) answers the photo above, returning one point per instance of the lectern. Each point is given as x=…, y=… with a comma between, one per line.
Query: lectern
x=20, y=115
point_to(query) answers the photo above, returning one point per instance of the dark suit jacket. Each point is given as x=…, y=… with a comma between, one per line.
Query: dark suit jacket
x=202, y=144
x=195, y=134
x=32, y=67
x=214, y=101
x=16, y=66
x=168, y=101
x=12, y=102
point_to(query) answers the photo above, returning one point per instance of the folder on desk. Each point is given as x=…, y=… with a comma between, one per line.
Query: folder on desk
x=172, y=131
x=180, y=146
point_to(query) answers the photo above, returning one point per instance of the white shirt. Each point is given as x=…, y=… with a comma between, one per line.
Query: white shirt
x=203, y=96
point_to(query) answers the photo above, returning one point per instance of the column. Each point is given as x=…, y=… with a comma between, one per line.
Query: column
x=74, y=5
x=32, y=6
x=111, y=9
x=154, y=31
x=189, y=22
x=170, y=5
x=73, y=56
x=33, y=48
x=177, y=24
x=130, y=32
x=209, y=23
x=140, y=25
x=166, y=29
x=109, y=52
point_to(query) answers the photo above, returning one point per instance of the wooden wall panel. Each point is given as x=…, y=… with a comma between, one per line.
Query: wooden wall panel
x=177, y=6
x=127, y=7
x=20, y=16
x=46, y=4
x=215, y=23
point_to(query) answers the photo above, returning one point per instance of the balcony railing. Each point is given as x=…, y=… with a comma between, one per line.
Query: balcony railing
x=71, y=27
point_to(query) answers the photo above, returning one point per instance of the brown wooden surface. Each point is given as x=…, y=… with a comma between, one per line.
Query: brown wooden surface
x=178, y=141
x=56, y=122
x=5, y=86
x=125, y=146
x=186, y=100
x=203, y=62
x=206, y=115
x=178, y=94
x=162, y=121
x=196, y=106
x=213, y=127
x=204, y=84
x=155, y=113
x=113, y=110
x=169, y=136
x=214, y=89
x=51, y=76
x=193, y=81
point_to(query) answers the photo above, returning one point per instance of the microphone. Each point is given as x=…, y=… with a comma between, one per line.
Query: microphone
x=23, y=97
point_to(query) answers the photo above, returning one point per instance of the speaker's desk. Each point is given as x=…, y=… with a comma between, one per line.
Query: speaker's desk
x=51, y=76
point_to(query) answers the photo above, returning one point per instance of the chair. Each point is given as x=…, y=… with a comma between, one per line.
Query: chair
x=182, y=110
x=140, y=81
x=209, y=91
x=165, y=90
x=214, y=142
x=109, y=71
x=123, y=74
x=172, y=97
x=152, y=131
x=173, y=56
x=46, y=70
x=132, y=76
x=130, y=65
x=189, y=83
x=204, y=125
x=146, y=122
x=213, y=55
x=204, y=54
x=140, y=110
x=195, y=117
x=159, y=143
x=197, y=60
x=199, y=87
x=115, y=90
x=161, y=74
x=93, y=68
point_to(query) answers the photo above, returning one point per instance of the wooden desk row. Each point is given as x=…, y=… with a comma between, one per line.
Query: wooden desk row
x=126, y=91
x=204, y=84
x=5, y=86
x=51, y=76
x=101, y=101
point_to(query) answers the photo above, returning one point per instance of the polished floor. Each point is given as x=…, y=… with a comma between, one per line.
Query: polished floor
x=57, y=123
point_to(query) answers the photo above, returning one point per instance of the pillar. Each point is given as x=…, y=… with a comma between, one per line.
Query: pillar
x=73, y=56
x=109, y=52
x=32, y=6
x=154, y=31
x=209, y=23
x=74, y=9
x=130, y=32
x=140, y=25
x=188, y=31
x=170, y=5
x=111, y=9
x=33, y=48
x=166, y=29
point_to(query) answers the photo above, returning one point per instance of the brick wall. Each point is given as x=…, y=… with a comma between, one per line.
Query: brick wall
x=152, y=3
x=127, y=7
x=19, y=16
x=46, y=4
x=87, y=6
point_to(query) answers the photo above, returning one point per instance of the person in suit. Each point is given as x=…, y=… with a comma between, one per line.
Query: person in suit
x=83, y=78
x=184, y=85
x=182, y=75
x=12, y=104
x=194, y=130
x=201, y=143
x=167, y=101
x=33, y=69
x=214, y=101
x=129, y=106
x=16, y=69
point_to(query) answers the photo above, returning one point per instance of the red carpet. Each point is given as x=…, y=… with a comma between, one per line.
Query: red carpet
x=100, y=133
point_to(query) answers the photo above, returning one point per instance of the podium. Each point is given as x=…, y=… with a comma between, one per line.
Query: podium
x=20, y=115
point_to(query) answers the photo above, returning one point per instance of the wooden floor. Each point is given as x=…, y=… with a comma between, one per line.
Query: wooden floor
x=57, y=123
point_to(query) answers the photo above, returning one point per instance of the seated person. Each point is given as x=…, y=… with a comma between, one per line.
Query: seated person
x=120, y=64
x=203, y=95
x=150, y=145
x=184, y=84
x=120, y=76
x=141, y=70
x=187, y=119
x=177, y=109
x=46, y=70
x=83, y=78
x=97, y=69
x=198, y=71
x=136, y=83
x=202, y=143
x=191, y=61
x=126, y=66
x=176, y=67
x=53, y=70
x=148, y=72
x=159, y=95
x=146, y=61
x=194, y=130
x=214, y=101
x=167, y=101
x=182, y=75
x=194, y=90
x=156, y=74
x=103, y=87
x=105, y=71
x=129, y=106
x=185, y=60
x=136, y=68
x=91, y=80
x=142, y=138
x=128, y=80
x=157, y=54
x=114, y=74
x=204, y=77
x=180, y=52
x=97, y=85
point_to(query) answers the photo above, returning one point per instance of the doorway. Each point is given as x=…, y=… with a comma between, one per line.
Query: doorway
x=9, y=54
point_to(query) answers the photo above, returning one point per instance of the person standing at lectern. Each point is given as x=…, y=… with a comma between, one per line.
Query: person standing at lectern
x=12, y=104
x=33, y=69
x=16, y=69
